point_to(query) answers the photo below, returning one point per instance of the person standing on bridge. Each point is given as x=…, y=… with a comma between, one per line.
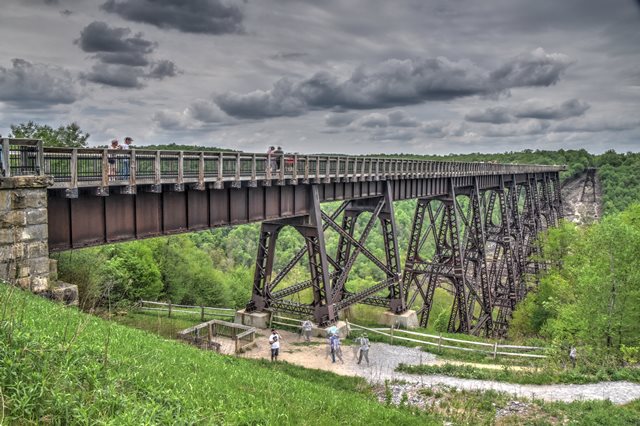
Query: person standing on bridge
x=307, y=326
x=274, y=341
x=278, y=153
x=125, y=163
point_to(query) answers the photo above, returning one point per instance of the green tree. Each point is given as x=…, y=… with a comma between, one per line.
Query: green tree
x=70, y=136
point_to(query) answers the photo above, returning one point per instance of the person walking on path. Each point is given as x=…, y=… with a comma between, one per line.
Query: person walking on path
x=274, y=341
x=363, y=351
x=572, y=356
x=334, y=348
x=307, y=326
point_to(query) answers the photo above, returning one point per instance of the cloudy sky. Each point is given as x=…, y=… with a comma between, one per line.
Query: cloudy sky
x=349, y=76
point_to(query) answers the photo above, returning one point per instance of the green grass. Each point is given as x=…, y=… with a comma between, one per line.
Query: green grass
x=543, y=376
x=479, y=408
x=60, y=366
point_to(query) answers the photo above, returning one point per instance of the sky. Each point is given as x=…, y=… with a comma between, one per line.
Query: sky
x=328, y=76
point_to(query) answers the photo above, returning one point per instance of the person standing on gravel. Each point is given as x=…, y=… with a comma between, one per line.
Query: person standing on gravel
x=572, y=356
x=274, y=341
x=307, y=326
x=363, y=341
x=334, y=348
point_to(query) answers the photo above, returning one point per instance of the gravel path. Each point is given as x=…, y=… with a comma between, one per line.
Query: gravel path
x=385, y=358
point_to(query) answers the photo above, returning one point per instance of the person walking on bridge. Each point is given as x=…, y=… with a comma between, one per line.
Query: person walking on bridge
x=274, y=341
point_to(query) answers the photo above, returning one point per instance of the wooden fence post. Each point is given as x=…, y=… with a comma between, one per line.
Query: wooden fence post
x=391, y=333
x=169, y=308
x=202, y=313
x=440, y=342
x=495, y=350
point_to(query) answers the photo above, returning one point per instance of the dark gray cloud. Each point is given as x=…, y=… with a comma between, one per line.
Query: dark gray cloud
x=287, y=56
x=206, y=112
x=189, y=16
x=339, y=119
x=531, y=109
x=600, y=124
x=120, y=76
x=536, y=68
x=163, y=69
x=394, y=83
x=121, y=57
x=113, y=46
x=29, y=85
x=495, y=115
x=570, y=108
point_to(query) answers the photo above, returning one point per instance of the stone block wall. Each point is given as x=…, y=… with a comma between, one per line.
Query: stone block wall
x=24, y=248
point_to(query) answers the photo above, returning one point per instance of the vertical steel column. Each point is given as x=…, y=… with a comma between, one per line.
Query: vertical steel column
x=389, y=232
x=264, y=266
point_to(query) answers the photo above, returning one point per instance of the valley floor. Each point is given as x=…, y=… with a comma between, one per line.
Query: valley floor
x=385, y=358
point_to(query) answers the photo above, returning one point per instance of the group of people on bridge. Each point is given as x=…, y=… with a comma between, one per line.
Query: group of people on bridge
x=334, y=345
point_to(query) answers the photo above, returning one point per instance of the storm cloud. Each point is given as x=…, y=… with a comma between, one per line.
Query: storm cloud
x=394, y=83
x=113, y=46
x=121, y=57
x=189, y=16
x=495, y=115
x=536, y=109
x=33, y=85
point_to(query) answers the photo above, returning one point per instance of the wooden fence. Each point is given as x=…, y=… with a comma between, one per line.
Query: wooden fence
x=243, y=336
x=495, y=349
x=203, y=311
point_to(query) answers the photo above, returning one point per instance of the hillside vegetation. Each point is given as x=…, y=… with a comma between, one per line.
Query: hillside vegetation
x=60, y=366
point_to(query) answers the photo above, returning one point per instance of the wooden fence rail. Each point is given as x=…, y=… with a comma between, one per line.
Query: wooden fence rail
x=170, y=308
x=494, y=351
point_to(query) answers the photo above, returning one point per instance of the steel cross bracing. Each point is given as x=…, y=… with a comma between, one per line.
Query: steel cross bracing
x=480, y=254
x=329, y=288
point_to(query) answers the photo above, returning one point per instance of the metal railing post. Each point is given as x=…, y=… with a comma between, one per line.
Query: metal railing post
x=105, y=168
x=6, y=163
x=132, y=167
x=74, y=169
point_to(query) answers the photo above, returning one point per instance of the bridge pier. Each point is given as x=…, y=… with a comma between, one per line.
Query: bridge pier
x=24, y=249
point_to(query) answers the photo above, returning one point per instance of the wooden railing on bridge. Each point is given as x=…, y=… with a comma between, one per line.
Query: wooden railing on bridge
x=72, y=168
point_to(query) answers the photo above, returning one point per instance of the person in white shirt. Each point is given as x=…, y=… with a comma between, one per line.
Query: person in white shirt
x=307, y=326
x=363, y=351
x=125, y=162
x=274, y=341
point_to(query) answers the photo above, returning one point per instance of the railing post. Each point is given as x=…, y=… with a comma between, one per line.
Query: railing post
x=73, y=185
x=157, y=169
x=169, y=308
x=40, y=159
x=220, y=166
x=281, y=174
x=267, y=168
x=295, y=167
x=132, y=167
x=237, y=174
x=6, y=163
x=201, y=171
x=253, y=168
x=317, y=169
x=306, y=168
x=180, y=168
x=201, y=312
x=105, y=168
x=495, y=350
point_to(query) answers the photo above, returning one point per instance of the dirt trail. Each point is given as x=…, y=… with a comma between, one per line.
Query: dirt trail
x=581, y=212
x=385, y=358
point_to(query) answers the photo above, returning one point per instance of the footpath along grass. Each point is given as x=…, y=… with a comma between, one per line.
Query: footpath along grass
x=60, y=366
x=544, y=376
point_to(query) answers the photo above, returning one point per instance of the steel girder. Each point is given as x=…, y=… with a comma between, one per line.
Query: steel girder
x=330, y=294
x=482, y=256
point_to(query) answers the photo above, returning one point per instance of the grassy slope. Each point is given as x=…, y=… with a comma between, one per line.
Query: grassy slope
x=61, y=366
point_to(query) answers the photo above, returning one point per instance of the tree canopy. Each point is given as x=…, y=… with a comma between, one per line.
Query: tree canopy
x=70, y=136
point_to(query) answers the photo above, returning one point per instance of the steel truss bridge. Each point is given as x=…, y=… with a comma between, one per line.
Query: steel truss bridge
x=473, y=232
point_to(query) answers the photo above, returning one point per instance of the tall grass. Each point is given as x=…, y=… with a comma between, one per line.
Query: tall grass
x=60, y=366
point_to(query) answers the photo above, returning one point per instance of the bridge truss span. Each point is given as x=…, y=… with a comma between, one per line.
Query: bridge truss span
x=473, y=234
